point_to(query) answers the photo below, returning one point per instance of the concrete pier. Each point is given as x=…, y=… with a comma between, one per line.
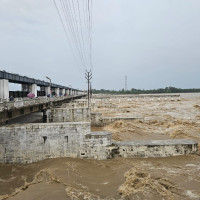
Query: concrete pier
x=156, y=148
x=27, y=143
x=4, y=89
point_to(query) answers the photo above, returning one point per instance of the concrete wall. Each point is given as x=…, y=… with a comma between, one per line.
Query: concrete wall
x=96, y=145
x=156, y=148
x=75, y=104
x=34, y=142
x=29, y=143
x=98, y=120
x=70, y=115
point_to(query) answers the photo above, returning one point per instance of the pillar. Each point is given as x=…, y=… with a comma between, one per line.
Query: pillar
x=57, y=90
x=63, y=92
x=31, y=88
x=66, y=91
x=4, y=89
x=47, y=90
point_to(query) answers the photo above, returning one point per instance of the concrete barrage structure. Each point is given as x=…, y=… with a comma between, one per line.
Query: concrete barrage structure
x=16, y=108
x=156, y=148
x=98, y=120
x=34, y=142
x=69, y=115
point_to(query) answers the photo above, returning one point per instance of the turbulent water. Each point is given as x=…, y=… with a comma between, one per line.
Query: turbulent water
x=67, y=178
x=150, y=178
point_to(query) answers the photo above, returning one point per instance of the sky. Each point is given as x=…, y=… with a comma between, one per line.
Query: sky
x=155, y=43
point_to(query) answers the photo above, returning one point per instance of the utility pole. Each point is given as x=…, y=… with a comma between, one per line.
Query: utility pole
x=88, y=76
x=49, y=85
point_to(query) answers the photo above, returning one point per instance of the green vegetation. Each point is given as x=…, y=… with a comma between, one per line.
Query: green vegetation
x=154, y=91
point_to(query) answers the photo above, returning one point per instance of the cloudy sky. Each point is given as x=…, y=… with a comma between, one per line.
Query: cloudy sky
x=156, y=43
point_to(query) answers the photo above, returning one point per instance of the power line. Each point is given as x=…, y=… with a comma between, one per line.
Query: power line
x=77, y=24
x=68, y=17
x=76, y=19
x=66, y=34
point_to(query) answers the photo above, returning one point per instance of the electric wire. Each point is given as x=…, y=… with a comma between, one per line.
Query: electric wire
x=76, y=20
x=67, y=36
x=71, y=25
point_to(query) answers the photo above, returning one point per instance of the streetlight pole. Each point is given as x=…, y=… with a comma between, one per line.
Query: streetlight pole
x=70, y=89
x=50, y=85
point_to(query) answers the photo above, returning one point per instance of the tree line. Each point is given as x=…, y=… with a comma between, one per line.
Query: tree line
x=154, y=91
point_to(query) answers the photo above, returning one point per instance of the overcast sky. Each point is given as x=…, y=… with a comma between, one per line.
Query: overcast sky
x=156, y=43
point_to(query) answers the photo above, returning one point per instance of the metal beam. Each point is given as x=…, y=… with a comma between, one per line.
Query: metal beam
x=16, y=78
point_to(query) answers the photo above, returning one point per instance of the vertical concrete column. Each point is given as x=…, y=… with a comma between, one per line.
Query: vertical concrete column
x=4, y=89
x=66, y=91
x=47, y=90
x=63, y=92
x=33, y=89
x=57, y=90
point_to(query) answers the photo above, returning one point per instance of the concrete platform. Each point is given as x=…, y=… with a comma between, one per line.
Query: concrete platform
x=100, y=133
x=156, y=148
x=157, y=142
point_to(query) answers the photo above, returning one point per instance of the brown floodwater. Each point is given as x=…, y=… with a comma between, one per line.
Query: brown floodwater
x=150, y=178
x=68, y=178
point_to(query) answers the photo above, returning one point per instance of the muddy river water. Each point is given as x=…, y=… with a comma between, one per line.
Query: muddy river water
x=149, y=178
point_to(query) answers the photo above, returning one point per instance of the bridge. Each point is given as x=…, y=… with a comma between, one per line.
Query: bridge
x=30, y=85
x=23, y=106
x=50, y=94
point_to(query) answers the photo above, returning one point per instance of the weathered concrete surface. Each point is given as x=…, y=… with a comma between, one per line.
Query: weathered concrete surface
x=156, y=148
x=25, y=102
x=29, y=143
x=97, y=145
x=108, y=96
x=19, y=107
x=4, y=90
x=75, y=104
x=34, y=142
x=70, y=115
x=98, y=120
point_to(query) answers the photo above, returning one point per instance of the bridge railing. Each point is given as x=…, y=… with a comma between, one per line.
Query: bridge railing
x=25, y=102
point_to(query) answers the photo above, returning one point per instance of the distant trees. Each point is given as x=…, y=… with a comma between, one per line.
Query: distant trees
x=169, y=89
